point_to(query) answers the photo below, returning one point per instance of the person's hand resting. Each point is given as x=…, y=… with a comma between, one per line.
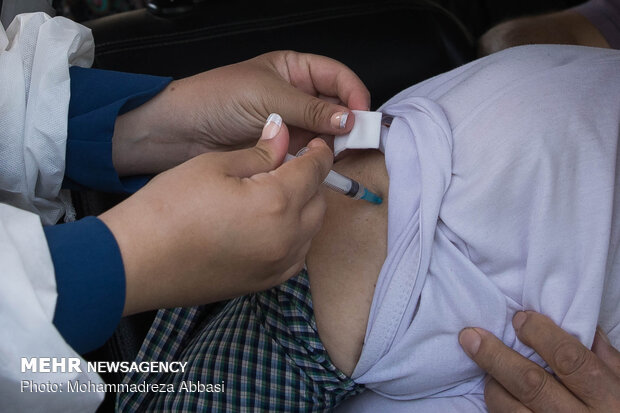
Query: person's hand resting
x=225, y=108
x=221, y=224
x=584, y=381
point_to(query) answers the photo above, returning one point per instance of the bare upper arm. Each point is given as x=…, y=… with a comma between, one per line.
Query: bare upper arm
x=345, y=259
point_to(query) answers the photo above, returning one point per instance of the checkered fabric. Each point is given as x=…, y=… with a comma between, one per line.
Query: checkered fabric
x=265, y=347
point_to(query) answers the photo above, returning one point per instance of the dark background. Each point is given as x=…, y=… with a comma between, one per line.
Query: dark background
x=477, y=15
x=480, y=15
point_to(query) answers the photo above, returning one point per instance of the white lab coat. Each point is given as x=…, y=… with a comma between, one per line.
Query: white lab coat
x=35, y=54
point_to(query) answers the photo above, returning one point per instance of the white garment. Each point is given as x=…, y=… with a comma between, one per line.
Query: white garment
x=35, y=54
x=364, y=135
x=503, y=181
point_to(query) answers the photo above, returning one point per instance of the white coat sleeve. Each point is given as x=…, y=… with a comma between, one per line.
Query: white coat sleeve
x=35, y=54
x=27, y=303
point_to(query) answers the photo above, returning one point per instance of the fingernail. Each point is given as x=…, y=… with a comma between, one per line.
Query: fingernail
x=470, y=341
x=302, y=151
x=602, y=335
x=339, y=120
x=316, y=142
x=518, y=320
x=272, y=126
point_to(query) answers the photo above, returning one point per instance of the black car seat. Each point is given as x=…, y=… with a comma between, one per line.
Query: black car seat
x=389, y=44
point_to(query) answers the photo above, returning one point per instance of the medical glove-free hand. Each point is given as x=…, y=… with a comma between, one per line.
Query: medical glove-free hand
x=585, y=381
x=221, y=224
x=225, y=108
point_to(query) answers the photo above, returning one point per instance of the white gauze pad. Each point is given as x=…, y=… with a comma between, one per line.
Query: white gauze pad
x=365, y=134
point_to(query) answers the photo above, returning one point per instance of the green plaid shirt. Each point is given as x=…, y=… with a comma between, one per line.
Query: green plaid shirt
x=263, y=349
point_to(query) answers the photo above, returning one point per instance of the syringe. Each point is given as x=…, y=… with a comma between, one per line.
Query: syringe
x=344, y=185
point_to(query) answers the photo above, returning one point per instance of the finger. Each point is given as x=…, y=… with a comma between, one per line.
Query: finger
x=312, y=75
x=331, y=99
x=577, y=367
x=325, y=76
x=524, y=379
x=606, y=352
x=498, y=399
x=300, y=138
x=313, y=114
x=265, y=156
x=302, y=176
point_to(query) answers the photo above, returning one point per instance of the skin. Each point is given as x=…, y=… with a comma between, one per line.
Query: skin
x=345, y=259
x=181, y=245
x=220, y=223
x=225, y=109
x=585, y=380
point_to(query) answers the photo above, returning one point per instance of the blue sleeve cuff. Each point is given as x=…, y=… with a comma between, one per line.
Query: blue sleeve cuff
x=98, y=97
x=90, y=280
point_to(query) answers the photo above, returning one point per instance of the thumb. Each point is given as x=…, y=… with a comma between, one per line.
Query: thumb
x=605, y=351
x=317, y=115
x=266, y=156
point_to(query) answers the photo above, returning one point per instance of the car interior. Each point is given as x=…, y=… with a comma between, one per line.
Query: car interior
x=390, y=44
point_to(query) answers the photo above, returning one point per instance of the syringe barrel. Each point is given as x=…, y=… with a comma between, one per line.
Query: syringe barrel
x=334, y=180
x=338, y=183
